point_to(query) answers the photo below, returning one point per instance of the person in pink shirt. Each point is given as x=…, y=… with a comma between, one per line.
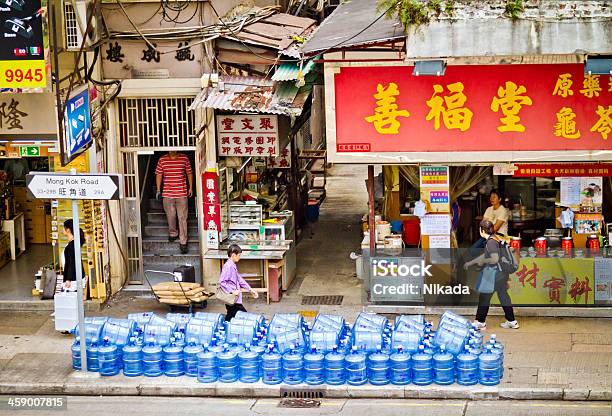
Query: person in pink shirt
x=230, y=281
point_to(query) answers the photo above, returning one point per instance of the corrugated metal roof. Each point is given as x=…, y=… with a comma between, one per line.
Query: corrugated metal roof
x=250, y=94
x=280, y=31
x=339, y=29
x=289, y=71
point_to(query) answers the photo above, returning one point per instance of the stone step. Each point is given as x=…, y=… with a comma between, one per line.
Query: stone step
x=159, y=217
x=162, y=231
x=162, y=246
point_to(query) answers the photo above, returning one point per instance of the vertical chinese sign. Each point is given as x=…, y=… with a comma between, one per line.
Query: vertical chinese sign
x=212, y=208
x=435, y=188
x=246, y=135
x=282, y=161
x=22, y=50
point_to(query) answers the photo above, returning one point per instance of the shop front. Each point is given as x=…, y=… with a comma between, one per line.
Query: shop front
x=535, y=135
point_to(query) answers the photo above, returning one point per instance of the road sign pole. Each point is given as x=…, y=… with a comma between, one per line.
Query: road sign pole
x=76, y=228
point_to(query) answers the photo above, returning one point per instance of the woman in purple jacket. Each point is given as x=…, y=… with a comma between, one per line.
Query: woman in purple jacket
x=231, y=282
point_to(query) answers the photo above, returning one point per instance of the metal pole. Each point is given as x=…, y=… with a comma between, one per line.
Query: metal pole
x=371, y=215
x=78, y=263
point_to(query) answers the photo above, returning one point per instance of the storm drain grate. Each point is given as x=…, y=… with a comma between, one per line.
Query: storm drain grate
x=299, y=403
x=322, y=300
x=293, y=393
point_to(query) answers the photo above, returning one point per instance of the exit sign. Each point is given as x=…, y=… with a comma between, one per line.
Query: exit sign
x=29, y=151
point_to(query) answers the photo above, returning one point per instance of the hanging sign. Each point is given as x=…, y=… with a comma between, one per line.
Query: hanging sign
x=77, y=124
x=212, y=207
x=525, y=170
x=22, y=52
x=246, y=135
x=472, y=108
x=283, y=161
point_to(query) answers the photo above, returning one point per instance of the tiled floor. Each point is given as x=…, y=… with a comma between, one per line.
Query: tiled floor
x=17, y=277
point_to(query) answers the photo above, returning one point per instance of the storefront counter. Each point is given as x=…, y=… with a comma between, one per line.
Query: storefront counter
x=560, y=281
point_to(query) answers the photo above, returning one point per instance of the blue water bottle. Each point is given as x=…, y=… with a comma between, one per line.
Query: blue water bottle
x=108, y=358
x=173, y=360
x=249, y=365
x=190, y=357
x=227, y=361
x=335, y=367
x=378, y=367
x=467, y=368
x=152, y=360
x=422, y=368
x=444, y=367
x=314, y=368
x=356, y=369
x=488, y=368
x=293, y=368
x=132, y=359
x=76, y=353
x=400, y=362
x=92, y=356
x=207, y=366
x=271, y=366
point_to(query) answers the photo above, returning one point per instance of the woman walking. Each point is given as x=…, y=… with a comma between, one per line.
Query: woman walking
x=490, y=257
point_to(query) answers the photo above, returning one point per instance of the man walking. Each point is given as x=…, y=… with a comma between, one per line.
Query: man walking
x=174, y=170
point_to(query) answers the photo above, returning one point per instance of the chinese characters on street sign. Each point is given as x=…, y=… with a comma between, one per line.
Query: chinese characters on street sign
x=283, y=161
x=67, y=186
x=247, y=135
x=472, y=108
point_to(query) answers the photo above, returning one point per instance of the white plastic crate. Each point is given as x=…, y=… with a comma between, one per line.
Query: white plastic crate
x=66, y=312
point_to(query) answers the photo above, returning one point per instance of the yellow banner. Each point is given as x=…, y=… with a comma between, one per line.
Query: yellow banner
x=23, y=74
x=552, y=281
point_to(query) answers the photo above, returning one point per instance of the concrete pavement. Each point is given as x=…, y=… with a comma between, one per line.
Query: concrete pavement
x=154, y=406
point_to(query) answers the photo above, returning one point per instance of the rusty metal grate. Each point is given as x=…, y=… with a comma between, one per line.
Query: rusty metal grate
x=322, y=300
x=301, y=393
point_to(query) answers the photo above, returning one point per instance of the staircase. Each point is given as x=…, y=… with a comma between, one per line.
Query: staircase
x=160, y=254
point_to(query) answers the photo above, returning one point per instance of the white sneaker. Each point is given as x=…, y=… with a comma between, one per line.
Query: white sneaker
x=510, y=325
x=479, y=326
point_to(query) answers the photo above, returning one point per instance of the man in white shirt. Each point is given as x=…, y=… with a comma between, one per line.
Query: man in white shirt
x=497, y=214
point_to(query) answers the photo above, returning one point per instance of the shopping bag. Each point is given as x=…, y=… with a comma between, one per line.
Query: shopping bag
x=486, y=280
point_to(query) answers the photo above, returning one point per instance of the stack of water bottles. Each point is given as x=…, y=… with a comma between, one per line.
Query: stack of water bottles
x=291, y=351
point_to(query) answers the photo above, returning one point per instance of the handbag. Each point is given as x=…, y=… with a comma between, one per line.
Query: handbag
x=227, y=298
x=486, y=280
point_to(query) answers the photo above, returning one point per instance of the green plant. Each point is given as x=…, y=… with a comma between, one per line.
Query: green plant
x=514, y=8
x=449, y=7
x=409, y=12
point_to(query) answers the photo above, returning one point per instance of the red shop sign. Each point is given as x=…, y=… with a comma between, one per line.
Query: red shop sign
x=212, y=208
x=563, y=169
x=473, y=108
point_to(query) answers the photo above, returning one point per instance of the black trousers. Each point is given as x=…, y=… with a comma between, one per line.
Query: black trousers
x=501, y=287
x=232, y=310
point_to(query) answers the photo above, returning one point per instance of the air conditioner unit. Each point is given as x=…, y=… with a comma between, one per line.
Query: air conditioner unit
x=76, y=14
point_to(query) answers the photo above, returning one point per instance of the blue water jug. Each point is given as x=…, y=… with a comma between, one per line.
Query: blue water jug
x=356, y=368
x=126, y=323
x=367, y=340
x=76, y=353
x=254, y=317
x=132, y=359
x=335, y=367
x=378, y=367
x=141, y=318
x=227, y=361
x=293, y=367
x=399, y=362
x=249, y=365
x=414, y=318
x=323, y=340
x=455, y=319
x=215, y=346
x=216, y=318
x=160, y=334
x=467, y=368
x=152, y=360
x=240, y=331
x=118, y=334
x=96, y=320
x=158, y=320
x=203, y=331
x=314, y=367
x=408, y=340
x=174, y=365
x=422, y=368
x=190, y=357
x=444, y=367
x=93, y=330
x=488, y=368
x=180, y=319
x=290, y=338
x=207, y=366
x=498, y=348
x=272, y=366
x=372, y=320
x=92, y=356
x=108, y=358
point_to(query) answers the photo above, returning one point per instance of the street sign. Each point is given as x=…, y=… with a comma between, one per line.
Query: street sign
x=74, y=186
x=32, y=151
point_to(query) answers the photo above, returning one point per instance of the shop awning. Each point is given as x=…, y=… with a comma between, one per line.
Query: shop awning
x=253, y=94
x=340, y=29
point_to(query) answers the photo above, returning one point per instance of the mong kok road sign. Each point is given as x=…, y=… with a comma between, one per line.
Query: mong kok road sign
x=74, y=186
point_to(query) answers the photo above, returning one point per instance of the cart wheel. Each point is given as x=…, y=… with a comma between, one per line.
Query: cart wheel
x=203, y=304
x=172, y=309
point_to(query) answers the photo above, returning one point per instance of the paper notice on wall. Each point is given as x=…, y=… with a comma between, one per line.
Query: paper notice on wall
x=570, y=192
x=591, y=191
x=439, y=241
x=435, y=224
x=603, y=279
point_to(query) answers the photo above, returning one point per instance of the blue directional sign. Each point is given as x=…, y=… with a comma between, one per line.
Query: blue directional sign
x=77, y=124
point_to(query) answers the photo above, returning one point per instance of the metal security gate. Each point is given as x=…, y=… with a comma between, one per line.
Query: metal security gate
x=147, y=125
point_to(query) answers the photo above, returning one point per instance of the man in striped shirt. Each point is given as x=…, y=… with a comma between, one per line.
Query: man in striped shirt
x=174, y=171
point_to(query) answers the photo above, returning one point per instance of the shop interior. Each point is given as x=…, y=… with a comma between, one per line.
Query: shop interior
x=550, y=216
x=25, y=240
